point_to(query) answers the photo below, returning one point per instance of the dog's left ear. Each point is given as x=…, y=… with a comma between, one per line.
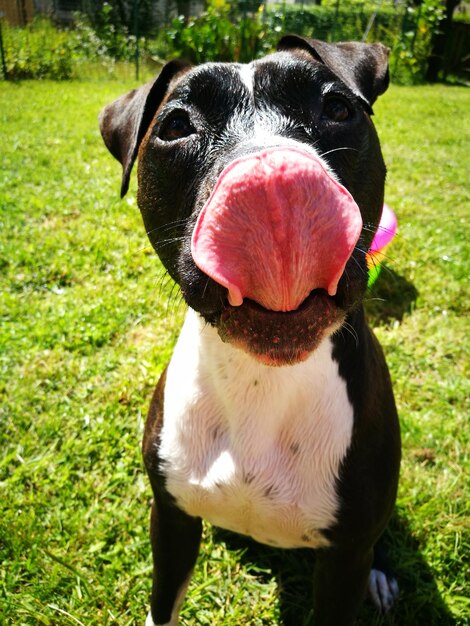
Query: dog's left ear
x=363, y=67
x=124, y=122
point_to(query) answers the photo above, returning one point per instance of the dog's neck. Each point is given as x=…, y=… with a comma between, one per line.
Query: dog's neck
x=244, y=387
x=236, y=431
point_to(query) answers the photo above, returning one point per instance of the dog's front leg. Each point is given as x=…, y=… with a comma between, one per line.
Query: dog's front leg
x=340, y=585
x=175, y=540
x=175, y=536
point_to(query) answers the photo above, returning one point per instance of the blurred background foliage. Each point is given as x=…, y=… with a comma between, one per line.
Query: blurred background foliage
x=66, y=39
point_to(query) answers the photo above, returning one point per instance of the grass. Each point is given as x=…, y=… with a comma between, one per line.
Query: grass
x=86, y=328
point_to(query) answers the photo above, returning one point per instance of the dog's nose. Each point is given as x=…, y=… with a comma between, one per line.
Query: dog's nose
x=276, y=226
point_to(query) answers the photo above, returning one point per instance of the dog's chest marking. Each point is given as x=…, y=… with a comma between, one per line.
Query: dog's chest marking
x=253, y=448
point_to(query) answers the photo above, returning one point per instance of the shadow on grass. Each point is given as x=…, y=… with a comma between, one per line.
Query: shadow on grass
x=419, y=603
x=390, y=298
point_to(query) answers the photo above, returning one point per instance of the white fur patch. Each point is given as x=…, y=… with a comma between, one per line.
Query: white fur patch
x=149, y=621
x=246, y=74
x=253, y=448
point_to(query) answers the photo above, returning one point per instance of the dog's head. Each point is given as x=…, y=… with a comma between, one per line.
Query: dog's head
x=261, y=187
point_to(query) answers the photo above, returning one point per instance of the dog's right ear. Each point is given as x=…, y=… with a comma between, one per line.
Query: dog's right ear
x=361, y=66
x=124, y=122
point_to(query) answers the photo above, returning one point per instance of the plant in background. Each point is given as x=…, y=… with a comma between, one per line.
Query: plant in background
x=221, y=33
x=42, y=51
x=113, y=34
x=225, y=31
x=256, y=38
x=38, y=51
x=410, y=55
x=209, y=37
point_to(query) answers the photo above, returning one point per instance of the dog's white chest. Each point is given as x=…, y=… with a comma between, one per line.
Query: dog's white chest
x=253, y=448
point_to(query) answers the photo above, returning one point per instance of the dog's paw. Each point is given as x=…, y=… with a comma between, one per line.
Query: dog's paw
x=383, y=589
x=149, y=621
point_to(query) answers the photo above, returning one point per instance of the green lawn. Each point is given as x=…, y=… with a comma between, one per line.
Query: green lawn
x=87, y=322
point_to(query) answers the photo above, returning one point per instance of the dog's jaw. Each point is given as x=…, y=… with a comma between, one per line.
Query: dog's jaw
x=280, y=338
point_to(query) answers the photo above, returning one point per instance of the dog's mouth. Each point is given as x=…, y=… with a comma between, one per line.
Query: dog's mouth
x=277, y=233
x=280, y=338
x=276, y=227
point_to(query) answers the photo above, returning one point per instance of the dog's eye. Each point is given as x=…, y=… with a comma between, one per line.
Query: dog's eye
x=336, y=109
x=176, y=127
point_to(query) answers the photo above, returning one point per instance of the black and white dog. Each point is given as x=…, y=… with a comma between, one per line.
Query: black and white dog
x=261, y=187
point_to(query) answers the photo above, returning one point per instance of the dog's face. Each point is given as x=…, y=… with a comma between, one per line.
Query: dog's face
x=261, y=187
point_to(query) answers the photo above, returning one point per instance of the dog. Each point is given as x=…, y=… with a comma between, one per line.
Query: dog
x=261, y=187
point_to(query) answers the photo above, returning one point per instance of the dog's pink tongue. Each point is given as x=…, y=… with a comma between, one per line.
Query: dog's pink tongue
x=276, y=226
